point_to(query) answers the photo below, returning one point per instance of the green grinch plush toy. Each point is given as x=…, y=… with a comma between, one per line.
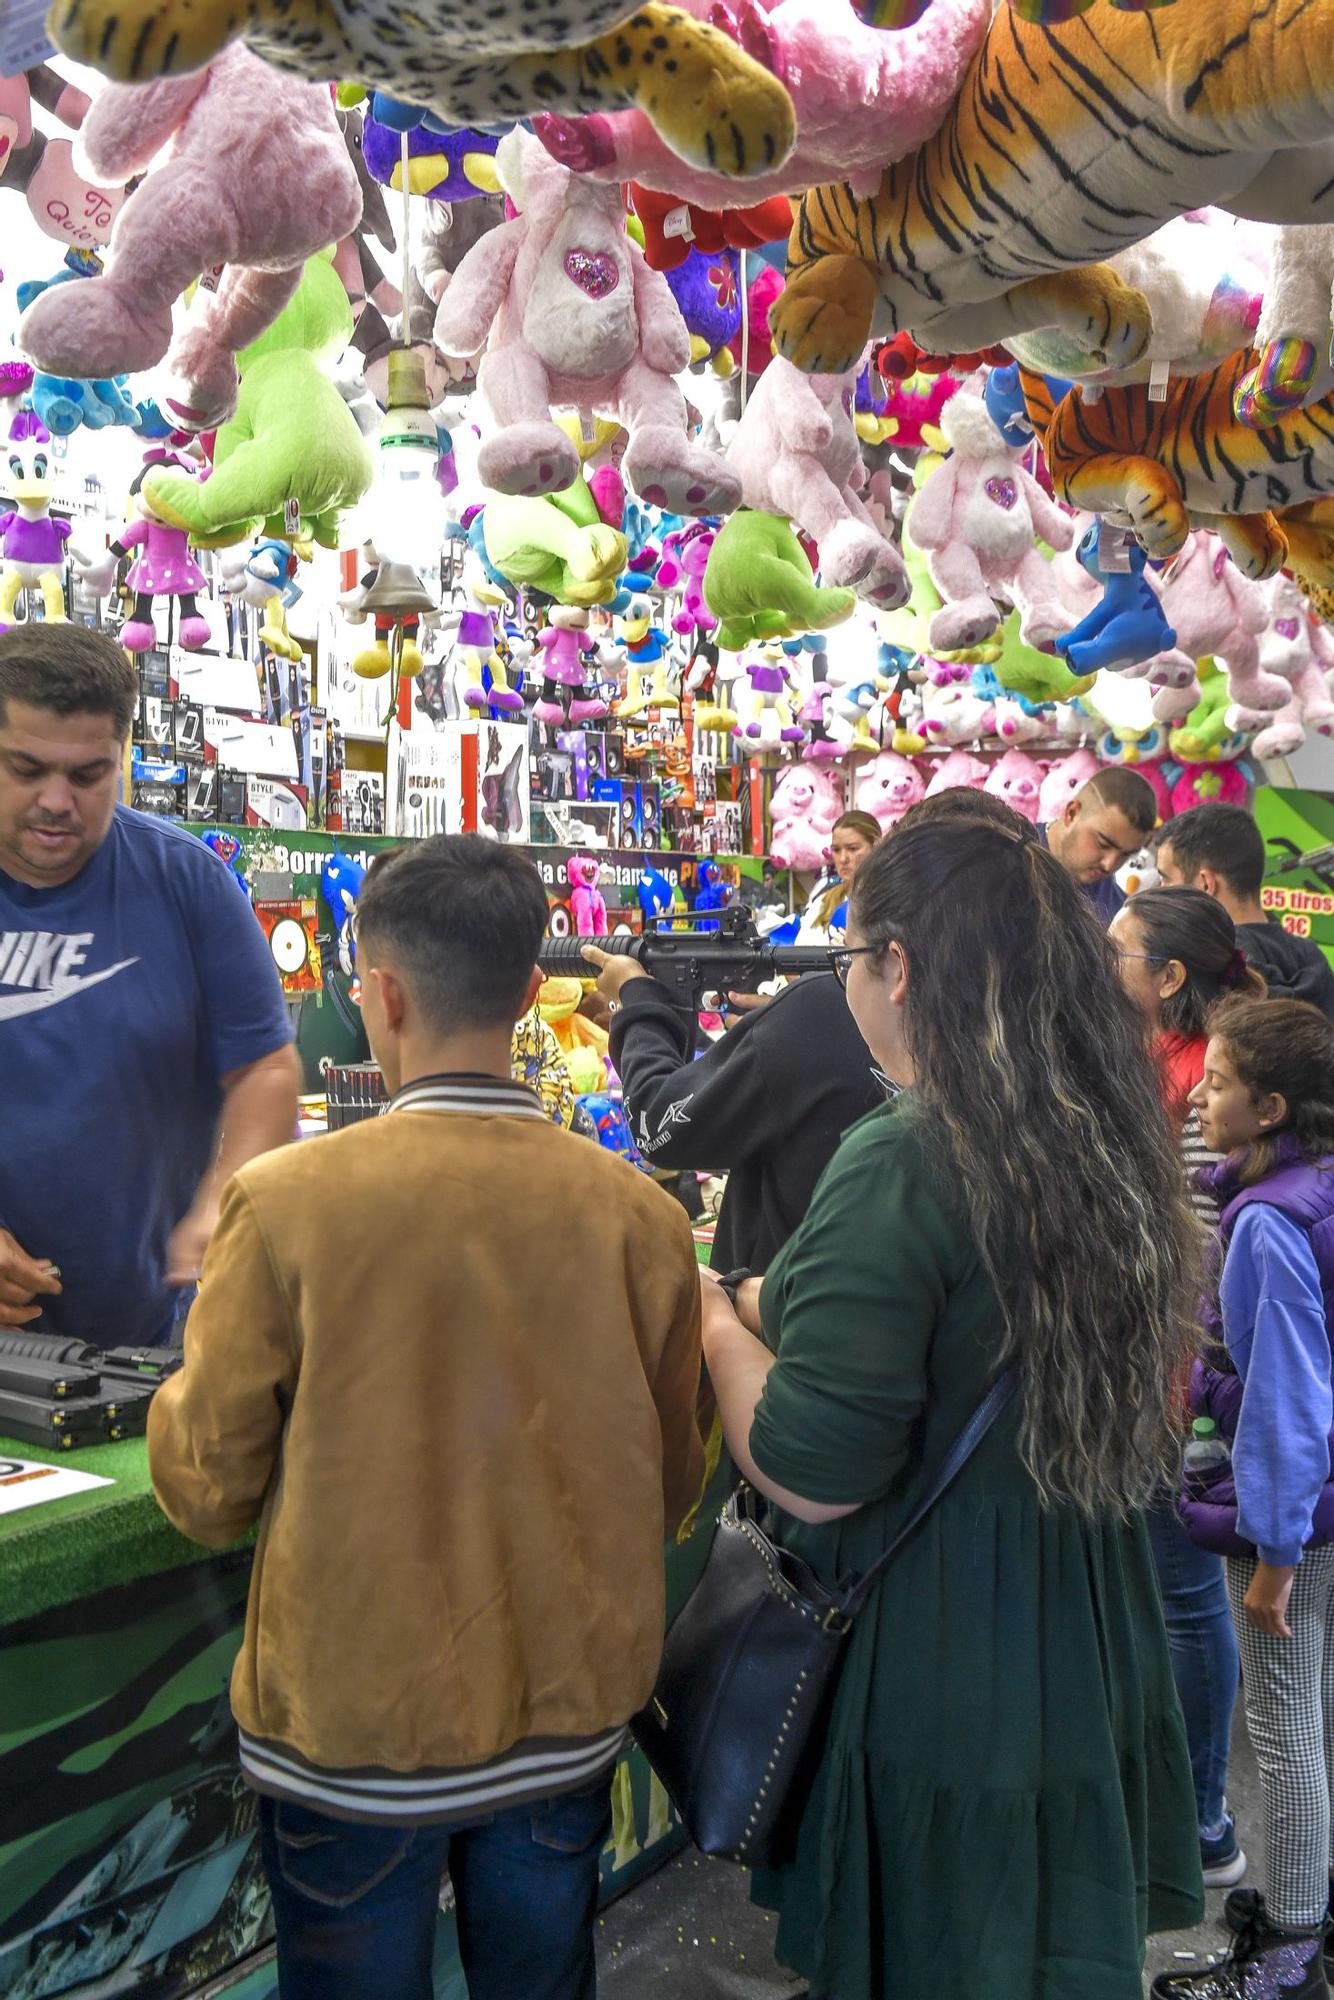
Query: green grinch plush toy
x=292, y=439
x=759, y=585
x=1204, y=737
x=559, y=545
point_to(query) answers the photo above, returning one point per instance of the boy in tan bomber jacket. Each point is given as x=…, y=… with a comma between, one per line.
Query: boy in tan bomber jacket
x=448, y=1359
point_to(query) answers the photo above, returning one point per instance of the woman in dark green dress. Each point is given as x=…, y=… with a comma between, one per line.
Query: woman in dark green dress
x=1004, y=1802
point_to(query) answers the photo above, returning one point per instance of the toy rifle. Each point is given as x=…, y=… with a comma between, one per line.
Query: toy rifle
x=734, y=958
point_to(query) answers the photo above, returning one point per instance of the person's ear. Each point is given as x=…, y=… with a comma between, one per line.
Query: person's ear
x=1271, y=1110
x=1208, y=881
x=392, y=996
x=533, y=989
x=1171, y=979
x=1073, y=808
x=896, y=974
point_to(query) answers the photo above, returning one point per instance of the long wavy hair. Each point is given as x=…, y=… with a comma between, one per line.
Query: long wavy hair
x=1034, y=1082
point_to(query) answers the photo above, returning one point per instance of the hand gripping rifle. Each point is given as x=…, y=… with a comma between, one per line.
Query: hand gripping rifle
x=733, y=958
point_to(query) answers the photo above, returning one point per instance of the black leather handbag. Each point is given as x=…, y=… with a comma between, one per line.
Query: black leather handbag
x=749, y=1666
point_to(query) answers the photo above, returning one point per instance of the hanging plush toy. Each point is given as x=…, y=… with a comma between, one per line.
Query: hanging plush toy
x=759, y=584
x=994, y=228
x=257, y=180
x=559, y=546
x=805, y=805
x=1207, y=736
x=164, y=566
x=567, y=697
x=797, y=453
x=1127, y=627
x=62, y=201
x=293, y=445
x=33, y=543
x=482, y=67
x=768, y=695
x=1219, y=613
x=1297, y=650
x=685, y=557
x=570, y=313
x=674, y=230
x=393, y=596
x=707, y=290
x=978, y=516
x=442, y=165
x=272, y=564
x=860, y=99
x=647, y=651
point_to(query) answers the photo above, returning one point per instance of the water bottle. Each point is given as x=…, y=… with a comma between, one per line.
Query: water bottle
x=1205, y=1458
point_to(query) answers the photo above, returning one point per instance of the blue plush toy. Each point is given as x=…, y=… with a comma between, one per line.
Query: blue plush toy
x=228, y=850
x=340, y=883
x=63, y=404
x=1004, y=399
x=711, y=893
x=1128, y=626
x=656, y=896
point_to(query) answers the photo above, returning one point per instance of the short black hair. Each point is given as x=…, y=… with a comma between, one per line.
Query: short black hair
x=1222, y=838
x=463, y=918
x=67, y=670
x=1130, y=794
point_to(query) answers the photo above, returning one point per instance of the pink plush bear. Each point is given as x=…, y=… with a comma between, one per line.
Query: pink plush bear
x=257, y=180
x=798, y=454
x=685, y=557
x=977, y=517
x=862, y=99
x=1018, y=780
x=1219, y=612
x=569, y=312
x=805, y=804
x=1300, y=651
x=887, y=786
x=959, y=771
x=588, y=907
x=1066, y=778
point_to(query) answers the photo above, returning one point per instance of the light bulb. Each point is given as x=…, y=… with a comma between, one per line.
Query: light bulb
x=412, y=473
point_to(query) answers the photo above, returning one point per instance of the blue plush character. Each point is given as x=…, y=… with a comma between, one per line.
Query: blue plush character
x=228, y=850
x=340, y=883
x=986, y=684
x=656, y=896
x=63, y=405
x=1004, y=399
x=711, y=893
x=1128, y=625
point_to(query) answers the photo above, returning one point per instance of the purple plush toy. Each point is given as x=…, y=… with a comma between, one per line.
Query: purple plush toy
x=444, y=166
x=707, y=288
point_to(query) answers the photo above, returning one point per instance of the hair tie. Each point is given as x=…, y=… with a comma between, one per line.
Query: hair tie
x=1236, y=969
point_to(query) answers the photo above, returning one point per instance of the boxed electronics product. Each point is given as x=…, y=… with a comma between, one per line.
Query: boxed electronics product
x=292, y=929
x=277, y=803
x=356, y=802
x=504, y=783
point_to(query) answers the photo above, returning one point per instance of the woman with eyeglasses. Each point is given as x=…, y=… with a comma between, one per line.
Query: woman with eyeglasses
x=1178, y=957
x=1003, y=1801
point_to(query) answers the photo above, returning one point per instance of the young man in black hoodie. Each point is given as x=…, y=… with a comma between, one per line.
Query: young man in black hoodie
x=1220, y=849
x=769, y=1102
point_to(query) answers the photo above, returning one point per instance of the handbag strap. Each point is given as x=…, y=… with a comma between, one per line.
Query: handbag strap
x=998, y=1396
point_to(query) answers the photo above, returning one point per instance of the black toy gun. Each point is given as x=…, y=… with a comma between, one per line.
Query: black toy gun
x=731, y=958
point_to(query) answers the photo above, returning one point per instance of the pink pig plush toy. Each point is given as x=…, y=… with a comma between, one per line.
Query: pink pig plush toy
x=887, y=786
x=257, y=179
x=570, y=313
x=1017, y=779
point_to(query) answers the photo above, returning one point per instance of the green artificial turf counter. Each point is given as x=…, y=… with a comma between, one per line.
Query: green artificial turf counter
x=91, y=1541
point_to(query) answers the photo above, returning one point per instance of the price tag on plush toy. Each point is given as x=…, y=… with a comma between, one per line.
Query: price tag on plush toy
x=1113, y=549
x=210, y=280
x=292, y=516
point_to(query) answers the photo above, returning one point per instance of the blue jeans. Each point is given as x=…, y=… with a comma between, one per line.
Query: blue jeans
x=355, y=1906
x=1204, y=1651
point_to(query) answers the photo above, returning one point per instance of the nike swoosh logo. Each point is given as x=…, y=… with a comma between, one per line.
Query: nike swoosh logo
x=14, y=1004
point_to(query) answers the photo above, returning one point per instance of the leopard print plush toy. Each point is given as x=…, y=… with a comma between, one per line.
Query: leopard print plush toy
x=492, y=65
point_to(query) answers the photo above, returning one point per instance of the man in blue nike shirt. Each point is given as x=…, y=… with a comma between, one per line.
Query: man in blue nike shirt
x=145, y=1049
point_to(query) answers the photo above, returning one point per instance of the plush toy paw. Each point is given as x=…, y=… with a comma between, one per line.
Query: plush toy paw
x=966, y=623
x=715, y=720
x=204, y=381
x=94, y=328
x=1280, y=739
x=1280, y=381
x=714, y=105
x=577, y=143
x=194, y=633
x=1042, y=625
x=681, y=478
x=549, y=712
x=1160, y=521
x=1255, y=542
x=410, y=660
x=529, y=459
x=137, y=636
x=863, y=561
x=142, y=39
x=587, y=711
x=743, y=23
x=821, y=320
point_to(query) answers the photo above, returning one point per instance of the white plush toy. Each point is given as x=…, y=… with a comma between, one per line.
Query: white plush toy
x=1300, y=651
x=977, y=517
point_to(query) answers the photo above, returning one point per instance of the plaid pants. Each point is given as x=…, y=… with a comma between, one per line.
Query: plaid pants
x=1289, y=1685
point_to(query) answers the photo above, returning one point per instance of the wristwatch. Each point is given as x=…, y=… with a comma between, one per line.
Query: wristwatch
x=732, y=1284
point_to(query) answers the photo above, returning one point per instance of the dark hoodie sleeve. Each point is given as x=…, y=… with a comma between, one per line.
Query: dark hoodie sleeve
x=699, y=1114
x=1315, y=982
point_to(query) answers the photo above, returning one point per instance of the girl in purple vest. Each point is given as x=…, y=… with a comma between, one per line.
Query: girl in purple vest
x=1266, y=1101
